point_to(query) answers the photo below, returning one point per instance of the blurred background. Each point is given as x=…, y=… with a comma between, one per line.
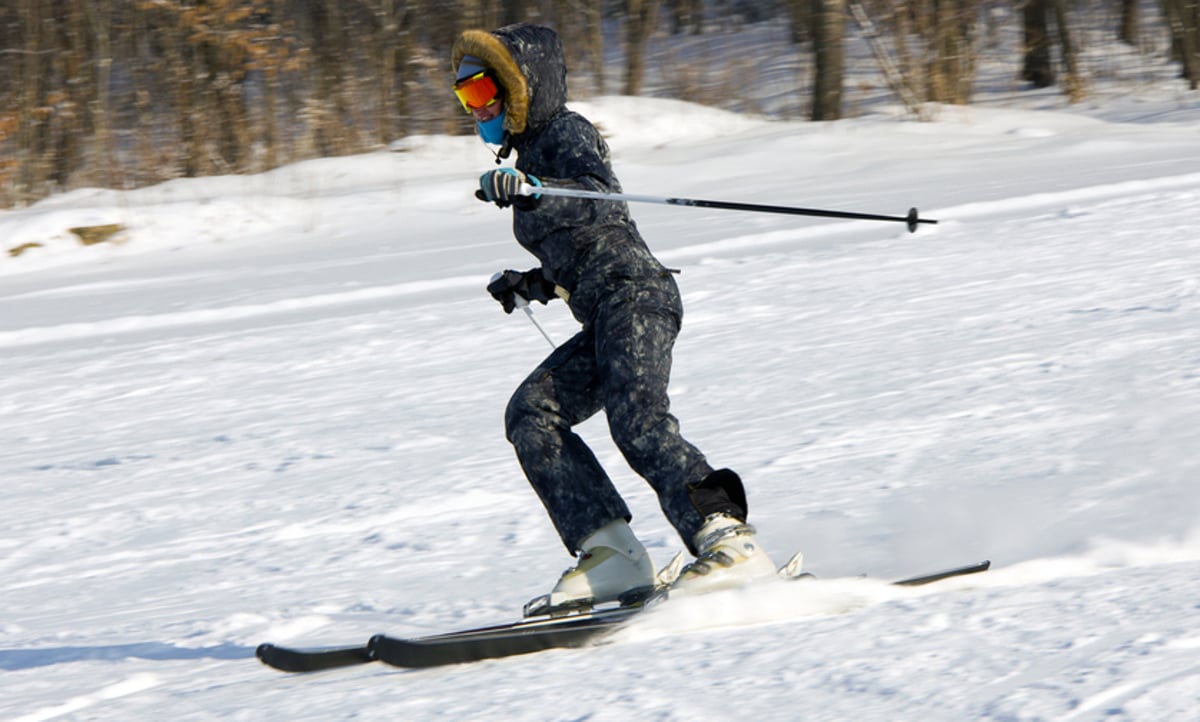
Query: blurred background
x=127, y=93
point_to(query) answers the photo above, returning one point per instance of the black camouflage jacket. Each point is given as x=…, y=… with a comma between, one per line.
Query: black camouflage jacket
x=590, y=248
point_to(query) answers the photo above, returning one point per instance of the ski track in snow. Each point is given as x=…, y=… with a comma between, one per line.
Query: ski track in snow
x=300, y=441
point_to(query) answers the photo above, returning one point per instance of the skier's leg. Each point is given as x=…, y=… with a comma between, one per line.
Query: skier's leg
x=589, y=514
x=635, y=333
x=560, y=393
x=708, y=508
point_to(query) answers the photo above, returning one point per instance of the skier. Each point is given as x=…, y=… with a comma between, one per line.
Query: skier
x=513, y=80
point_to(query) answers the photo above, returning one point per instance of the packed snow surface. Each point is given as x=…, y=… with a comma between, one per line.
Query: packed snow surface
x=271, y=410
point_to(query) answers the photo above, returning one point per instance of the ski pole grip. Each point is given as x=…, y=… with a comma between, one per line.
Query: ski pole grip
x=518, y=299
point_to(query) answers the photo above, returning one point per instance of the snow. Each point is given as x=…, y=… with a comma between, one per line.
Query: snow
x=271, y=411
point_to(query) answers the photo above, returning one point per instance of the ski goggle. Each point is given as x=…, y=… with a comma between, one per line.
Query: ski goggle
x=477, y=91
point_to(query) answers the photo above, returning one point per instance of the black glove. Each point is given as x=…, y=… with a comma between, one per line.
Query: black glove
x=530, y=285
x=502, y=186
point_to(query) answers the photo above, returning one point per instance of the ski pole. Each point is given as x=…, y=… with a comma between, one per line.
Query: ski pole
x=523, y=304
x=911, y=220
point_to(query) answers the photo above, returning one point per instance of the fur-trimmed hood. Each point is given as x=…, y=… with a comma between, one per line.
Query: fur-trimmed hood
x=528, y=63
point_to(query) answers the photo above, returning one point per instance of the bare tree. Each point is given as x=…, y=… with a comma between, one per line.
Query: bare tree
x=800, y=20
x=640, y=16
x=129, y=92
x=687, y=16
x=1129, y=27
x=1074, y=84
x=951, y=70
x=1184, y=19
x=1038, y=67
x=36, y=107
x=100, y=28
x=828, y=30
x=897, y=79
x=594, y=18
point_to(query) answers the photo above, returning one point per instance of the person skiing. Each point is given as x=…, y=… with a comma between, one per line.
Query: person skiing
x=513, y=81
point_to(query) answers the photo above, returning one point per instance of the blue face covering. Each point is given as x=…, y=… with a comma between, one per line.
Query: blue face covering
x=492, y=131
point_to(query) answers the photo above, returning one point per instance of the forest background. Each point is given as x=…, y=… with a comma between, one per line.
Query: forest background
x=128, y=93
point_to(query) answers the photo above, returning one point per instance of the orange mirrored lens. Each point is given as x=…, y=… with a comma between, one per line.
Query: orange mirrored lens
x=477, y=91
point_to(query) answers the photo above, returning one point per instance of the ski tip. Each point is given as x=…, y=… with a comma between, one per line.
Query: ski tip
x=311, y=659
x=964, y=570
x=975, y=568
x=668, y=574
x=276, y=657
x=794, y=569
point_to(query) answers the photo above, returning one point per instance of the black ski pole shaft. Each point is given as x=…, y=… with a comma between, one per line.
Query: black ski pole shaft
x=911, y=220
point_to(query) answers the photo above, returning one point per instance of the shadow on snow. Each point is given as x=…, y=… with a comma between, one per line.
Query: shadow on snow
x=16, y=659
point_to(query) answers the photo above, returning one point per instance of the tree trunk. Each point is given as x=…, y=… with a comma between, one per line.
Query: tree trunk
x=595, y=42
x=1074, y=84
x=1039, y=66
x=639, y=26
x=30, y=131
x=72, y=120
x=896, y=79
x=829, y=30
x=687, y=16
x=1128, y=32
x=951, y=74
x=385, y=81
x=192, y=146
x=100, y=24
x=1184, y=19
x=800, y=20
x=326, y=108
x=222, y=98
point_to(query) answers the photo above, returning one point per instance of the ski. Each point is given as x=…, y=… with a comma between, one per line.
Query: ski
x=287, y=659
x=472, y=645
x=505, y=640
x=962, y=571
x=526, y=636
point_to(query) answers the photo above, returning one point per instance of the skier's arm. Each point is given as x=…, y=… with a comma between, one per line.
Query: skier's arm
x=580, y=164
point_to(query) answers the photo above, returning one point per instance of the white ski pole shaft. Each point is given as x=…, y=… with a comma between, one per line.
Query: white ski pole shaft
x=524, y=306
x=530, y=190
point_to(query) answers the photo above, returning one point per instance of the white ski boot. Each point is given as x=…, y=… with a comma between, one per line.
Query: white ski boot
x=728, y=557
x=612, y=566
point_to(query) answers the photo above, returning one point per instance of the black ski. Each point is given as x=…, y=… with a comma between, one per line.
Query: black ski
x=505, y=640
x=472, y=645
x=312, y=660
x=939, y=576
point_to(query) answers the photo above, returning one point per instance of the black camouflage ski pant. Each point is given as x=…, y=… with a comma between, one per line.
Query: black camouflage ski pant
x=619, y=363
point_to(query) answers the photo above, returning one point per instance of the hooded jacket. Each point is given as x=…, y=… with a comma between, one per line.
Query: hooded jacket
x=590, y=248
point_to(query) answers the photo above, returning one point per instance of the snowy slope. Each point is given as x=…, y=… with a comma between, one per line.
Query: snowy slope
x=273, y=412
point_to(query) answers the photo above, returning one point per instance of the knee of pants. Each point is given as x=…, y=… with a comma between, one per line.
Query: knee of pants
x=526, y=411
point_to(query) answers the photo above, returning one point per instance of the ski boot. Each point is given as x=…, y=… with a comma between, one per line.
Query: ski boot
x=728, y=556
x=612, y=566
